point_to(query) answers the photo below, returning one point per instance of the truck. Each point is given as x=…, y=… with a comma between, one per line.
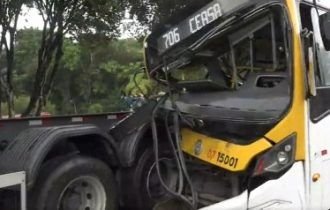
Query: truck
x=243, y=123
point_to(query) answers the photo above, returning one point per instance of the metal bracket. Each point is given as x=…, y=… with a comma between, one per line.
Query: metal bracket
x=9, y=180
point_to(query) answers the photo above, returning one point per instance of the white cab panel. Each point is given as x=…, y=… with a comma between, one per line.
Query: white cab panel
x=320, y=163
x=287, y=192
x=236, y=203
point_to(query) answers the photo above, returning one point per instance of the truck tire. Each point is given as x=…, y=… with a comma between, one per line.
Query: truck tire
x=73, y=183
x=134, y=180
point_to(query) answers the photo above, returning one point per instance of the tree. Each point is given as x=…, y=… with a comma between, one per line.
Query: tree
x=26, y=60
x=153, y=12
x=9, y=14
x=74, y=17
x=97, y=72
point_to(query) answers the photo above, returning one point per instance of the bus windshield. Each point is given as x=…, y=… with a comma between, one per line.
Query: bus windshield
x=183, y=30
x=258, y=48
x=236, y=72
x=239, y=72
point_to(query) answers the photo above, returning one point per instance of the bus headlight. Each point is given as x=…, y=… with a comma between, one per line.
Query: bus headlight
x=277, y=159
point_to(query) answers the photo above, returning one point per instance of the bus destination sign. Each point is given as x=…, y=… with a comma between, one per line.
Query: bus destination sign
x=191, y=25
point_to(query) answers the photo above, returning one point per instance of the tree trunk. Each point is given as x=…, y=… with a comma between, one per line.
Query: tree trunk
x=44, y=61
x=9, y=21
x=55, y=49
x=38, y=83
x=36, y=92
x=9, y=76
x=2, y=41
x=37, y=89
x=10, y=104
x=50, y=80
x=50, y=52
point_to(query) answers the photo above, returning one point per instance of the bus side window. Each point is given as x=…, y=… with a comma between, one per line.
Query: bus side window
x=322, y=55
x=307, y=27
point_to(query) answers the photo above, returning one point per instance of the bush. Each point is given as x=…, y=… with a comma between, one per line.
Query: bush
x=95, y=108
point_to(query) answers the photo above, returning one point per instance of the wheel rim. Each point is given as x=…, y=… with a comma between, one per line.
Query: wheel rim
x=83, y=193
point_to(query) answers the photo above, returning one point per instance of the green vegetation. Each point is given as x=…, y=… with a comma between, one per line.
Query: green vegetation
x=46, y=71
x=93, y=74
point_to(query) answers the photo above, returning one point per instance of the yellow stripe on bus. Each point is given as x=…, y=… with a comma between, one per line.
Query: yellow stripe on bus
x=220, y=153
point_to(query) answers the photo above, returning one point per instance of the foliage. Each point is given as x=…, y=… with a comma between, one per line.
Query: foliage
x=95, y=108
x=27, y=45
x=153, y=12
x=71, y=55
x=93, y=76
x=75, y=63
x=80, y=18
x=9, y=14
x=20, y=105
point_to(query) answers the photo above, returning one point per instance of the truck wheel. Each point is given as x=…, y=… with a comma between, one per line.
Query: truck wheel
x=77, y=183
x=140, y=185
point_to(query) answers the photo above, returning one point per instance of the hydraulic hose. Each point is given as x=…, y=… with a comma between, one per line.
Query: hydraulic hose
x=156, y=153
x=182, y=159
x=175, y=153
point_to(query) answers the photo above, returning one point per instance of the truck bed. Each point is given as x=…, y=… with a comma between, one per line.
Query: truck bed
x=10, y=128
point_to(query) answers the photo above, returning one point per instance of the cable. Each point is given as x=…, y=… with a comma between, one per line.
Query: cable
x=175, y=153
x=156, y=153
x=176, y=123
x=182, y=159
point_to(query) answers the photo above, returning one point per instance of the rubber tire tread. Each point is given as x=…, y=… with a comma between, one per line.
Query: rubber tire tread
x=133, y=181
x=22, y=150
x=57, y=173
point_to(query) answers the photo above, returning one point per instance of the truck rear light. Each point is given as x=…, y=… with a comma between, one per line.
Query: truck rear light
x=277, y=159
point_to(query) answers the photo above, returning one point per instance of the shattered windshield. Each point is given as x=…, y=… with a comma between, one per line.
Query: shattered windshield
x=238, y=82
x=241, y=75
x=229, y=60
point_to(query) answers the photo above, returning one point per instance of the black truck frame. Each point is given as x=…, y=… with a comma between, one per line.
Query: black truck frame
x=28, y=144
